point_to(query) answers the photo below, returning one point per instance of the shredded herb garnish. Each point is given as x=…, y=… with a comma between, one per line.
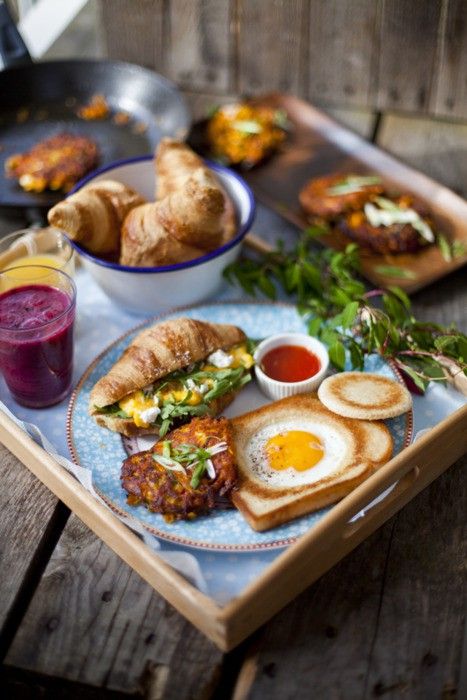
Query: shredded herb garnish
x=188, y=458
x=353, y=183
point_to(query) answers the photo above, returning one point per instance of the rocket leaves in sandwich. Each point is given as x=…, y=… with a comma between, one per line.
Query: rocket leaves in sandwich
x=113, y=410
x=350, y=319
x=218, y=383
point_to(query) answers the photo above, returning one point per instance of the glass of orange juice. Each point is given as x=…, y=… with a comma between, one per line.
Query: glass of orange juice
x=37, y=246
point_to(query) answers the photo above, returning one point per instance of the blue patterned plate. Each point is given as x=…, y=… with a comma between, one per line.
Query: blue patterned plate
x=103, y=451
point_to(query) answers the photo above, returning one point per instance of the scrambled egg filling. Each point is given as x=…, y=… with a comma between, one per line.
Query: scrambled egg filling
x=145, y=406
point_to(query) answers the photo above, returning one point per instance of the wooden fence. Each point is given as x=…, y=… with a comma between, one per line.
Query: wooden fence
x=408, y=55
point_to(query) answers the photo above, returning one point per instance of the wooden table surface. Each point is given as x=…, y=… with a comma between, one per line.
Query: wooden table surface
x=389, y=620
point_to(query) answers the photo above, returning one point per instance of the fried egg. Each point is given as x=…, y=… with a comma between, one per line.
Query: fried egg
x=294, y=453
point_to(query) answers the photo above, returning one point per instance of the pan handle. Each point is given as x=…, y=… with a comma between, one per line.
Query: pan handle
x=13, y=50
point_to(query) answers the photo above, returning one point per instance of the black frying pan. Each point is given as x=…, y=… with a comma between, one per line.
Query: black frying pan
x=38, y=100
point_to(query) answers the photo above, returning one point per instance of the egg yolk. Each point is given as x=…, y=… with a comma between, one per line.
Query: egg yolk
x=296, y=449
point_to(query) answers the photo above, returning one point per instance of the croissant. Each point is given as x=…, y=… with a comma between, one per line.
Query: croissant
x=175, y=163
x=159, y=350
x=194, y=213
x=146, y=243
x=94, y=215
x=155, y=353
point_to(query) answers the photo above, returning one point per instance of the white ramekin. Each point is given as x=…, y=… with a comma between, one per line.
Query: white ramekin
x=275, y=389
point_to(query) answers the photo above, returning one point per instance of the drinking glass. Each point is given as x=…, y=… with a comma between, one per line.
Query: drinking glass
x=37, y=314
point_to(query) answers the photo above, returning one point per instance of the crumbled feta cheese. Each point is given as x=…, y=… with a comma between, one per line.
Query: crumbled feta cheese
x=155, y=400
x=149, y=415
x=220, y=359
x=203, y=388
x=191, y=384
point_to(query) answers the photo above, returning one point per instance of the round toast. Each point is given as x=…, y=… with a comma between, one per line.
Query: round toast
x=365, y=396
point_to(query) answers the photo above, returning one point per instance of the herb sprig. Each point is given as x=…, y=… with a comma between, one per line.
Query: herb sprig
x=350, y=320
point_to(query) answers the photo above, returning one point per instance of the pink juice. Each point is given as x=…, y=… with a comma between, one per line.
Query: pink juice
x=36, y=343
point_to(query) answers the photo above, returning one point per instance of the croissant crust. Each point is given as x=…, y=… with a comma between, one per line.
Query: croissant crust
x=158, y=351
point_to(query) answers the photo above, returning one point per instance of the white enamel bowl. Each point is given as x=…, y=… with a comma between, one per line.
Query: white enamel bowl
x=146, y=290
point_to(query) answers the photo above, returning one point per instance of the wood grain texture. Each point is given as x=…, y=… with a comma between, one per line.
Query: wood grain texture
x=133, y=30
x=450, y=94
x=318, y=646
x=408, y=53
x=355, y=633
x=26, y=508
x=424, y=581
x=271, y=45
x=94, y=621
x=437, y=148
x=359, y=120
x=343, y=51
x=199, y=44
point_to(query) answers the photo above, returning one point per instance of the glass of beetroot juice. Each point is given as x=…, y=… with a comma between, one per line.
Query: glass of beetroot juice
x=37, y=314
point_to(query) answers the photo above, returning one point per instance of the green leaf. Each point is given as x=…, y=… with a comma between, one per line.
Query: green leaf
x=311, y=275
x=163, y=430
x=353, y=183
x=356, y=355
x=401, y=295
x=394, y=271
x=337, y=355
x=329, y=337
x=314, y=326
x=418, y=381
x=444, y=247
x=349, y=314
x=317, y=231
x=459, y=249
x=197, y=475
x=267, y=287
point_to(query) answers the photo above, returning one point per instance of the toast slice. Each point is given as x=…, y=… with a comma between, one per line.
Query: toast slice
x=364, y=395
x=351, y=451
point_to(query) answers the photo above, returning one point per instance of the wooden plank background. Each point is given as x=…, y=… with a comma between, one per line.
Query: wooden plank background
x=382, y=55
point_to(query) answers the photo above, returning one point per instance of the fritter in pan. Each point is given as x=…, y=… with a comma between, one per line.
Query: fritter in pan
x=331, y=196
x=57, y=163
x=183, y=475
x=400, y=225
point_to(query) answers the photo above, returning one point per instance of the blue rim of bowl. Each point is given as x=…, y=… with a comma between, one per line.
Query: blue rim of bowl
x=178, y=266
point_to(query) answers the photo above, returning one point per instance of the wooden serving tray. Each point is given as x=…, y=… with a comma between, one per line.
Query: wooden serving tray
x=293, y=570
x=318, y=145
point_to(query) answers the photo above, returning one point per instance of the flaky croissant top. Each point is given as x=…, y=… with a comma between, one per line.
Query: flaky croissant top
x=158, y=351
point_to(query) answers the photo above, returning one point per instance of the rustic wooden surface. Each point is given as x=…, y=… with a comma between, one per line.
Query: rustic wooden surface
x=389, y=620
x=364, y=54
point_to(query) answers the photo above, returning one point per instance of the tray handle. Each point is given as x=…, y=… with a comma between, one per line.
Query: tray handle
x=380, y=503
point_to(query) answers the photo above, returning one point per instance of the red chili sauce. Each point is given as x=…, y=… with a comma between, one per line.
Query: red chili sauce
x=290, y=363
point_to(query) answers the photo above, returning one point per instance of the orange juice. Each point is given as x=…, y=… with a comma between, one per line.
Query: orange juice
x=26, y=260
x=24, y=275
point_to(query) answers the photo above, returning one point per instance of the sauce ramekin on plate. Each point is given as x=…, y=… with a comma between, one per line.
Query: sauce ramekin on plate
x=276, y=389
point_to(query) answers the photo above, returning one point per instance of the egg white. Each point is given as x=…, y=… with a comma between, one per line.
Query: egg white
x=333, y=444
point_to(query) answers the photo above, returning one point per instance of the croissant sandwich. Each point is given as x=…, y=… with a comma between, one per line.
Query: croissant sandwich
x=169, y=373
